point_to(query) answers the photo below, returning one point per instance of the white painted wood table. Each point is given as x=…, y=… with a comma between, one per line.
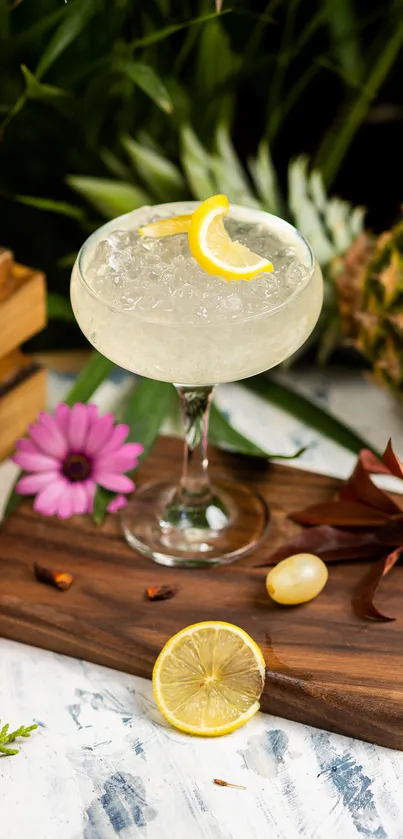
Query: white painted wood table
x=103, y=765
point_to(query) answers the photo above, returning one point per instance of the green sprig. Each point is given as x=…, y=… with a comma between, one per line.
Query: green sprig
x=6, y=737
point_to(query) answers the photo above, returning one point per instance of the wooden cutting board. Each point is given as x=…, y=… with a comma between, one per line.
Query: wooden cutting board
x=326, y=667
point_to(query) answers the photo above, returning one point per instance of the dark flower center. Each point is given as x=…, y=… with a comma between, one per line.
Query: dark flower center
x=76, y=467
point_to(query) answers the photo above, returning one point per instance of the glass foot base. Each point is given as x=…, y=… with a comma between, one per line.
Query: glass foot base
x=229, y=526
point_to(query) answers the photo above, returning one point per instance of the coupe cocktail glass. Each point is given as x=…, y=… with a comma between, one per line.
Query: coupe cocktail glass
x=148, y=306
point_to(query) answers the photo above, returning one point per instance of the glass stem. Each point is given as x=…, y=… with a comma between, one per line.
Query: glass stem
x=195, y=488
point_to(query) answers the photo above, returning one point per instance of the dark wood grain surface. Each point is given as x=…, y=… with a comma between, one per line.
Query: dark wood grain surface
x=325, y=666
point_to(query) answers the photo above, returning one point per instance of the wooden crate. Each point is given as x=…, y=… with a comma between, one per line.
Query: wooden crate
x=22, y=381
x=22, y=395
x=23, y=311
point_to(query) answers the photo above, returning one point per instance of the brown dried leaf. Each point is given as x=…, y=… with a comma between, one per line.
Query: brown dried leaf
x=363, y=597
x=391, y=534
x=360, y=487
x=372, y=463
x=392, y=462
x=329, y=544
x=340, y=513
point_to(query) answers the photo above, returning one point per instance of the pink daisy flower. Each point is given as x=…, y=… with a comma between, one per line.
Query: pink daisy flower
x=67, y=455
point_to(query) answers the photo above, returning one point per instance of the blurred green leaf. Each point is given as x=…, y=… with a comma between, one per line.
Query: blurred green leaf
x=37, y=90
x=110, y=198
x=115, y=166
x=223, y=434
x=344, y=27
x=229, y=174
x=293, y=94
x=265, y=180
x=307, y=411
x=196, y=164
x=36, y=30
x=147, y=80
x=160, y=34
x=13, y=499
x=216, y=65
x=51, y=206
x=97, y=369
x=4, y=19
x=59, y=308
x=147, y=408
x=158, y=173
x=68, y=260
x=77, y=16
x=283, y=60
x=338, y=138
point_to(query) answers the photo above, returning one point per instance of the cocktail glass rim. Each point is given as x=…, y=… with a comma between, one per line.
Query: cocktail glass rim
x=277, y=221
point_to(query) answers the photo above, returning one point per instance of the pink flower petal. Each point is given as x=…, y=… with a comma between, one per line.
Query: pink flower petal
x=25, y=445
x=117, y=503
x=93, y=413
x=78, y=427
x=62, y=417
x=116, y=439
x=31, y=484
x=65, y=507
x=121, y=460
x=80, y=498
x=90, y=487
x=49, y=439
x=47, y=500
x=98, y=434
x=117, y=483
x=35, y=462
x=56, y=436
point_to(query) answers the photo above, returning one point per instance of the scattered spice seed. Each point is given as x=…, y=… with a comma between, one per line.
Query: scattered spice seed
x=160, y=592
x=59, y=579
x=226, y=784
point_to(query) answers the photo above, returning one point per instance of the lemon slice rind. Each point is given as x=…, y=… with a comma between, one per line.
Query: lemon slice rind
x=166, y=227
x=160, y=688
x=207, y=229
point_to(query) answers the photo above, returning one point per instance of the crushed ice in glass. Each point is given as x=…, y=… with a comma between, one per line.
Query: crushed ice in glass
x=160, y=280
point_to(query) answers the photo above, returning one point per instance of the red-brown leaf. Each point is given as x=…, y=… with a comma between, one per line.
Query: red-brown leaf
x=359, y=487
x=391, y=534
x=363, y=598
x=372, y=463
x=340, y=513
x=392, y=462
x=329, y=544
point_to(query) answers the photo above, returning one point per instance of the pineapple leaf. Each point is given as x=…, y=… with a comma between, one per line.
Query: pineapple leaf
x=160, y=175
x=229, y=173
x=110, y=198
x=306, y=214
x=196, y=164
x=265, y=181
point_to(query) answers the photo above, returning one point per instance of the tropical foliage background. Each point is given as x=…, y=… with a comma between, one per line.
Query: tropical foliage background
x=287, y=103
x=78, y=78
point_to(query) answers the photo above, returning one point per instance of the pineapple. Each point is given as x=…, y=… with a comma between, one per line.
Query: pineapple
x=370, y=301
